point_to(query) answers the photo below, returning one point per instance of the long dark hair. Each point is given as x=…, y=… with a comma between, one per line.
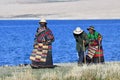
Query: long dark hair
x=46, y=25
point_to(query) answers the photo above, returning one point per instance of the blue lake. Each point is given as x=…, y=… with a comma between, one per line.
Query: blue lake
x=17, y=38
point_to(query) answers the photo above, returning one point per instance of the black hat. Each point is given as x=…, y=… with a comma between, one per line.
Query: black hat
x=91, y=27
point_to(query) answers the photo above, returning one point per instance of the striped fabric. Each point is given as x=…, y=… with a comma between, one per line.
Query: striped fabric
x=39, y=53
x=92, y=51
x=95, y=53
x=98, y=53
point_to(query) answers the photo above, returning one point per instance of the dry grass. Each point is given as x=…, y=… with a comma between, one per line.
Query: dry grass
x=69, y=71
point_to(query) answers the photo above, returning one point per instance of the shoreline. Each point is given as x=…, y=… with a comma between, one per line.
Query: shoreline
x=59, y=64
x=55, y=19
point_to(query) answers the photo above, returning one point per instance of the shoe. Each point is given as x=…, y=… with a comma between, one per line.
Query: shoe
x=34, y=66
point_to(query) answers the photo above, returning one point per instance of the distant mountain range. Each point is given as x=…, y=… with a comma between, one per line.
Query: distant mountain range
x=34, y=1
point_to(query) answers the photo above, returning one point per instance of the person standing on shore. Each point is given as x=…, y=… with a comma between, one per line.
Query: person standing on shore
x=81, y=44
x=95, y=50
x=42, y=53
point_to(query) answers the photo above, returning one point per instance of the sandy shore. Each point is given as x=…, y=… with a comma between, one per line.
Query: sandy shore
x=78, y=9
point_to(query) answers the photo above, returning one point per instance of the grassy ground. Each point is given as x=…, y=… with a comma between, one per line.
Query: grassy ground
x=67, y=71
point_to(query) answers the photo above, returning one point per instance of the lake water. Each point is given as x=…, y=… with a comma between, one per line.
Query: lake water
x=17, y=38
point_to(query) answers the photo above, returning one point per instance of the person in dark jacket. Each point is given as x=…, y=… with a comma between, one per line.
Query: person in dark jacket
x=95, y=50
x=81, y=44
x=41, y=56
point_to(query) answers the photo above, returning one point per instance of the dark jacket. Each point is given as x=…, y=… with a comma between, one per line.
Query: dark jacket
x=79, y=41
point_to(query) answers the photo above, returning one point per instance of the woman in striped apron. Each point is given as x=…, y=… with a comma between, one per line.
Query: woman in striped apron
x=95, y=50
x=41, y=56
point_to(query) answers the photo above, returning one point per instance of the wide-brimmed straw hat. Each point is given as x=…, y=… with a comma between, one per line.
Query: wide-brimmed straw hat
x=91, y=27
x=78, y=30
x=43, y=20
